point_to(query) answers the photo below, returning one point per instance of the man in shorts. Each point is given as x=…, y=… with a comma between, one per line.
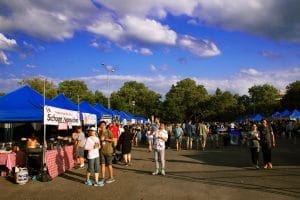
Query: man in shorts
x=106, y=152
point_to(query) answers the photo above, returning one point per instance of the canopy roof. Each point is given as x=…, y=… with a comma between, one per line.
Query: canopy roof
x=64, y=102
x=85, y=107
x=257, y=117
x=22, y=105
x=26, y=105
x=295, y=114
x=103, y=110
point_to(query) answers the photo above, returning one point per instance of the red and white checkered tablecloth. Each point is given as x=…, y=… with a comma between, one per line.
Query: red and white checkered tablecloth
x=59, y=160
x=10, y=160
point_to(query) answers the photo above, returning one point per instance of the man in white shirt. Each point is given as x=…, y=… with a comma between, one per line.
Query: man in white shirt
x=160, y=136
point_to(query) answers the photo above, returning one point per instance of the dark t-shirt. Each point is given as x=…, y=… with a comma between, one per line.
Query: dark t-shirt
x=266, y=134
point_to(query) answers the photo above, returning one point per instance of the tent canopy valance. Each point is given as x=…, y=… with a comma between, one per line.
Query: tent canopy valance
x=22, y=105
x=27, y=105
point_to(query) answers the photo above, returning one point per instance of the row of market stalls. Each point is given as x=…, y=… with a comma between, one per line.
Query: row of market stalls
x=285, y=114
x=26, y=106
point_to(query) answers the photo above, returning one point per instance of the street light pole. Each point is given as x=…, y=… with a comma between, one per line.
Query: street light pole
x=133, y=104
x=109, y=70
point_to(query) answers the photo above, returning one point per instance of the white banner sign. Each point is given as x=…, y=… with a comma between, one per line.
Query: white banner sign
x=106, y=118
x=54, y=116
x=89, y=119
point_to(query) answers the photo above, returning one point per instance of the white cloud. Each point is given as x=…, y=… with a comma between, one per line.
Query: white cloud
x=274, y=19
x=198, y=47
x=250, y=72
x=270, y=55
x=47, y=20
x=58, y=20
x=94, y=44
x=245, y=79
x=30, y=66
x=155, y=8
x=152, y=68
x=7, y=44
x=107, y=27
x=239, y=83
x=103, y=46
x=146, y=52
x=148, y=30
x=3, y=58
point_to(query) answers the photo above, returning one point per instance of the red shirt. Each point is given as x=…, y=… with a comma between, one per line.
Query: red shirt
x=115, y=131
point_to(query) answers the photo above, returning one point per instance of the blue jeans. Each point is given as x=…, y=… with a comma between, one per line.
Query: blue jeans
x=93, y=165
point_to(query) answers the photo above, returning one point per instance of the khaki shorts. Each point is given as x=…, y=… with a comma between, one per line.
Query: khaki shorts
x=115, y=142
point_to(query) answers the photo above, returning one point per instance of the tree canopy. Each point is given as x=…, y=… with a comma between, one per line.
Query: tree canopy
x=184, y=101
x=291, y=99
x=264, y=98
x=38, y=85
x=136, y=98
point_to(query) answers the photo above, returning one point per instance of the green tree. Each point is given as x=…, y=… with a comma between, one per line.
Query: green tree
x=264, y=99
x=76, y=91
x=243, y=105
x=222, y=106
x=291, y=100
x=100, y=98
x=183, y=100
x=38, y=85
x=136, y=98
x=2, y=94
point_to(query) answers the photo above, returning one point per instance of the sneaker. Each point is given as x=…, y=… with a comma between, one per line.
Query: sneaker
x=88, y=182
x=110, y=180
x=163, y=172
x=256, y=166
x=155, y=172
x=99, y=184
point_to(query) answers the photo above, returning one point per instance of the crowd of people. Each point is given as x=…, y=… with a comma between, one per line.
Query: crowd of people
x=103, y=144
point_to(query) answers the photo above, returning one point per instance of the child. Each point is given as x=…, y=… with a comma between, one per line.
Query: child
x=92, y=145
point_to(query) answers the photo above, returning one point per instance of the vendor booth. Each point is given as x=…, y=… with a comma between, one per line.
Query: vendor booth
x=18, y=111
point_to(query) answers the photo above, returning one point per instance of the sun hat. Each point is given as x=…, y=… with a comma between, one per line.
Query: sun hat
x=92, y=129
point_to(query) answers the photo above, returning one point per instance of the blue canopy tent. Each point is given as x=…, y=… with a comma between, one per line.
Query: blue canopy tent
x=121, y=115
x=276, y=115
x=25, y=105
x=103, y=110
x=86, y=108
x=65, y=102
x=141, y=119
x=295, y=114
x=257, y=117
x=22, y=105
x=285, y=113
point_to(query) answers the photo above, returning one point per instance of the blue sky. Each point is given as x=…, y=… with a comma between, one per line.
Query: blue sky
x=231, y=45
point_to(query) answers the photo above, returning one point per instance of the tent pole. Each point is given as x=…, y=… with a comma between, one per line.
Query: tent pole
x=44, y=135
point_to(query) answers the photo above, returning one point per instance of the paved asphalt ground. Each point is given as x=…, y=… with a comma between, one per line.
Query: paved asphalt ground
x=224, y=173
